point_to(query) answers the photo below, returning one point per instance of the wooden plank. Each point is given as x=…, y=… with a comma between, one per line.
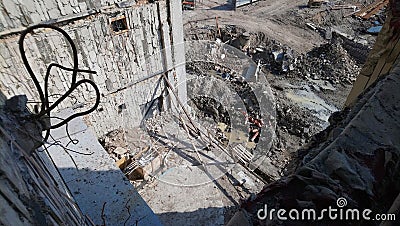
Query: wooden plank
x=368, y=8
x=375, y=10
x=357, y=89
x=383, y=61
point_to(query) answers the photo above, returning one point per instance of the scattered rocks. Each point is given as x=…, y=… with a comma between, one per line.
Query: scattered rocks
x=324, y=70
x=328, y=62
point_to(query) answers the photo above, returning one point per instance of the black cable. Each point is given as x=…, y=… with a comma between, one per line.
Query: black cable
x=45, y=107
x=69, y=91
x=58, y=143
x=46, y=83
x=73, y=141
x=28, y=67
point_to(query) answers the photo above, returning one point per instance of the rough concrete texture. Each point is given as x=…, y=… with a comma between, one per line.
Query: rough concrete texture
x=358, y=161
x=123, y=62
x=15, y=111
x=31, y=191
x=201, y=205
x=17, y=14
x=178, y=49
x=182, y=186
x=99, y=187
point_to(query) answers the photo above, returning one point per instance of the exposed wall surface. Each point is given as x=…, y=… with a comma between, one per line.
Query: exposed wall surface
x=29, y=193
x=59, y=185
x=17, y=14
x=128, y=63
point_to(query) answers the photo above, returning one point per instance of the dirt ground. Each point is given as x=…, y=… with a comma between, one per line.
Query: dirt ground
x=258, y=17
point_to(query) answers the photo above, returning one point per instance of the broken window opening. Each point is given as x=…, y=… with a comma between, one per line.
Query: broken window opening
x=121, y=108
x=119, y=24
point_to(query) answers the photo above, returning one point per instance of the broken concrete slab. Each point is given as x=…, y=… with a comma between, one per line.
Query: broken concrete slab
x=98, y=185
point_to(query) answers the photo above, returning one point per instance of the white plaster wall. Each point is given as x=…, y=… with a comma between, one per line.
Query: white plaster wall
x=122, y=62
x=15, y=14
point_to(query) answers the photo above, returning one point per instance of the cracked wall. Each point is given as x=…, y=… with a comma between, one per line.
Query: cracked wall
x=31, y=190
x=128, y=64
x=17, y=14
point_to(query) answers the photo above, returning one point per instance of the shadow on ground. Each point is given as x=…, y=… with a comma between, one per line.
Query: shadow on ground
x=205, y=216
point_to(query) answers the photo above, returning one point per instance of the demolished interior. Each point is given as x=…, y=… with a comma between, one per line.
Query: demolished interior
x=142, y=113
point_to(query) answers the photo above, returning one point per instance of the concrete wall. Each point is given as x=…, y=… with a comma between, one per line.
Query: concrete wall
x=24, y=199
x=31, y=190
x=17, y=14
x=123, y=61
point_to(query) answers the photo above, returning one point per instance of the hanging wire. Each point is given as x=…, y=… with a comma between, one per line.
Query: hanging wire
x=56, y=142
x=45, y=107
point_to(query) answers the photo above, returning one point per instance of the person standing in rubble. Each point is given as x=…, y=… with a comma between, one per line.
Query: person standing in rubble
x=255, y=129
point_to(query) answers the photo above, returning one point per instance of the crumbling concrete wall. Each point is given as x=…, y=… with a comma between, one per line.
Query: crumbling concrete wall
x=16, y=14
x=128, y=63
x=29, y=193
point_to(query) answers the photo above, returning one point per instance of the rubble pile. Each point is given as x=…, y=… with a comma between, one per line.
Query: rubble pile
x=296, y=121
x=211, y=108
x=235, y=82
x=336, y=16
x=329, y=62
x=114, y=141
x=131, y=151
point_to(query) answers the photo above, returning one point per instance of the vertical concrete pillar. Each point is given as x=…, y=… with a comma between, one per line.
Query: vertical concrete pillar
x=178, y=48
x=170, y=16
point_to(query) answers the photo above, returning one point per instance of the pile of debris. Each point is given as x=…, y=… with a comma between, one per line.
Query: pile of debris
x=133, y=152
x=323, y=70
x=329, y=62
x=296, y=121
x=234, y=81
x=353, y=17
x=326, y=61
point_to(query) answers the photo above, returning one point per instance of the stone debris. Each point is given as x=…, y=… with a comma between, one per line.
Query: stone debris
x=329, y=62
x=351, y=162
x=119, y=151
x=299, y=80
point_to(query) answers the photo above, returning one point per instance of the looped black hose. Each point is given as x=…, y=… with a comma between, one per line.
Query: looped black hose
x=46, y=84
x=80, y=82
x=28, y=67
x=45, y=107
